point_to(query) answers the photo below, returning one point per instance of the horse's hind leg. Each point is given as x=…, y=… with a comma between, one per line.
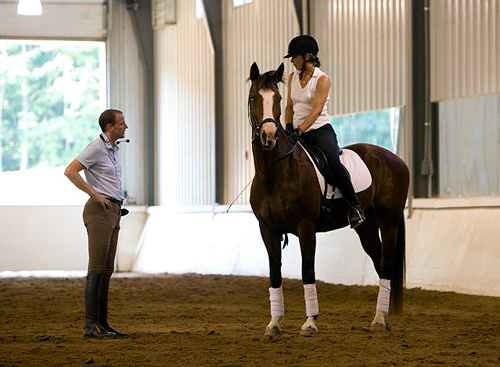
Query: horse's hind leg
x=272, y=242
x=391, y=267
x=370, y=240
x=306, y=232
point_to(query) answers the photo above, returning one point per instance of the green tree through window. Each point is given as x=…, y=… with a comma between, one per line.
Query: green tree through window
x=376, y=127
x=51, y=94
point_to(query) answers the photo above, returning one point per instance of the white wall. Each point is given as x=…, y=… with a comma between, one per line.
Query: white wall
x=469, y=147
x=220, y=243
x=452, y=245
x=127, y=92
x=55, y=238
x=61, y=19
x=185, y=111
x=465, y=48
x=258, y=32
x=362, y=47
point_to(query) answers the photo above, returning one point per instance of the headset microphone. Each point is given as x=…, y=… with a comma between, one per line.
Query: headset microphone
x=122, y=141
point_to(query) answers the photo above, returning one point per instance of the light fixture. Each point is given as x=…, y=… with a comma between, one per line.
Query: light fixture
x=29, y=7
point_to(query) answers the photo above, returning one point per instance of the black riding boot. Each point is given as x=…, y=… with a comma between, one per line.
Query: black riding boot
x=356, y=215
x=103, y=307
x=92, y=328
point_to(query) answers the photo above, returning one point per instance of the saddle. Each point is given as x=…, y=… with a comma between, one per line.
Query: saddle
x=359, y=173
x=319, y=159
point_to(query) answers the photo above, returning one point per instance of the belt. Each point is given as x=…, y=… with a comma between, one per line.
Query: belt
x=116, y=201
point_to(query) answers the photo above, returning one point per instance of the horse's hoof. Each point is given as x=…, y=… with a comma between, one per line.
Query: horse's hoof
x=309, y=331
x=272, y=331
x=380, y=327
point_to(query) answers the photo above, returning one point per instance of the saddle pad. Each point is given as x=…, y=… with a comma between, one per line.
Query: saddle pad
x=360, y=175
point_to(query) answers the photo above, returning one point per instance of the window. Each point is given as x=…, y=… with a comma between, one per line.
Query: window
x=51, y=94
x=469, y=147
x=376, y=127
x=237, y=3
x=200, y=10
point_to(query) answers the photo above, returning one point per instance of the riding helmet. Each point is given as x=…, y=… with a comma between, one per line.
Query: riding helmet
x=302, y=44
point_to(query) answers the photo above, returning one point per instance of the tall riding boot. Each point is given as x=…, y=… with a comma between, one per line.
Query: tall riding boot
x=103, y=307
x=356, y=215
x=92, y=328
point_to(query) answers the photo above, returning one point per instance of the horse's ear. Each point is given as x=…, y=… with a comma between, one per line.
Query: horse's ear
x=279, y=72
x=254, y=72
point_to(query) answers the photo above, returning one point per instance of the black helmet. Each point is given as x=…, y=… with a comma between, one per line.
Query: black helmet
x=302, y=44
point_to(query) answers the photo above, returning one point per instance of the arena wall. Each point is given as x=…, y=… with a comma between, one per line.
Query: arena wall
x=54, y=238
x=452, y=244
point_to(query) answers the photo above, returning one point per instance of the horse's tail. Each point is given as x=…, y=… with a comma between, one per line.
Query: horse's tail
x=399, y=269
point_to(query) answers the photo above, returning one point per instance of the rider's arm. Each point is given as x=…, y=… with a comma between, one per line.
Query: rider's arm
x=73, y=173
x=319, y=100
x=289, y=103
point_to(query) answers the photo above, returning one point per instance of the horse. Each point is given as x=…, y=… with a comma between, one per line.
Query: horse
x=286, y=198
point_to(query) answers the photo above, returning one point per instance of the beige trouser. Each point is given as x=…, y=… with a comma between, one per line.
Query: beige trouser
x=103, y=226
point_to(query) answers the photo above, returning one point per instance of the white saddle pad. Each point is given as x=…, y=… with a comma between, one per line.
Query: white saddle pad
x=360, y=175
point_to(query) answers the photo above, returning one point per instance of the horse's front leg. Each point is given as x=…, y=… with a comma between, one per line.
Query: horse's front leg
x=272, y=241
x=307, y=236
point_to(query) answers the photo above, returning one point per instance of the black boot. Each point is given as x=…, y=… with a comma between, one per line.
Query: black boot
x=356, y=216
x=325, y=206
x=103, y=307
x=92, y=328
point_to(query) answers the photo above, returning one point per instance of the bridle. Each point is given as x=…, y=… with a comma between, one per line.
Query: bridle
x=256, y=127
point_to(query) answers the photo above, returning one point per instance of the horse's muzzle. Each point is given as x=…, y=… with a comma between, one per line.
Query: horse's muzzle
x=269, y=134
x=268, y=140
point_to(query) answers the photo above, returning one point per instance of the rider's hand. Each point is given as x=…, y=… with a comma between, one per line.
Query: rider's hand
x=103, y=200
x=295, y=135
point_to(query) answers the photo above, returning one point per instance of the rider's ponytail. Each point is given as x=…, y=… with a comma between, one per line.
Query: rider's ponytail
x=314, y=59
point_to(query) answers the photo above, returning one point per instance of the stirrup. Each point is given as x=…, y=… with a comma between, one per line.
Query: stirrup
x=356, y=217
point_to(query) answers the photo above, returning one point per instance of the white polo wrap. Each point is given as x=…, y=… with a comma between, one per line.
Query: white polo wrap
x=311, y=298
x=277, y=302
x=384, y=295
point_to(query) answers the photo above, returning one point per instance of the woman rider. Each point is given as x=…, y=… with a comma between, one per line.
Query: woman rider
x=306, y=112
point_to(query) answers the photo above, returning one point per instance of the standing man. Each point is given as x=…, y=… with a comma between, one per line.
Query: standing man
x=101, y=216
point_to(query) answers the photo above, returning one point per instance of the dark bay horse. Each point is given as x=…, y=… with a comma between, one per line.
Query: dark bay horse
x=286, y=198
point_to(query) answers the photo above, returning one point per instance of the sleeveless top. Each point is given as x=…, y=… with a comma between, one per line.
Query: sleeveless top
x=302, y=99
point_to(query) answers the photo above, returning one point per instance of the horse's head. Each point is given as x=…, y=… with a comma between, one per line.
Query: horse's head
x=264, y=105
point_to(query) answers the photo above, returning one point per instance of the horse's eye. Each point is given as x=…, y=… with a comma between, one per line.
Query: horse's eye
x=252, y=99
